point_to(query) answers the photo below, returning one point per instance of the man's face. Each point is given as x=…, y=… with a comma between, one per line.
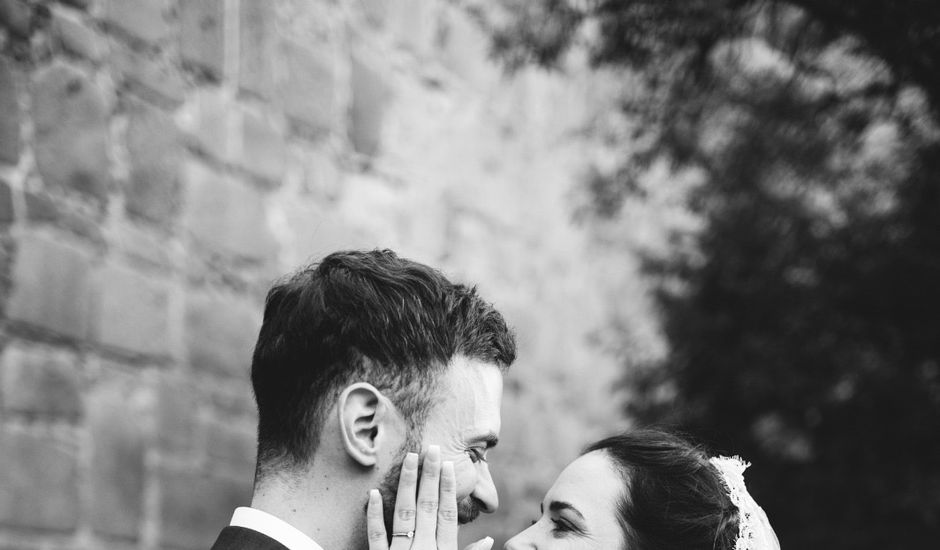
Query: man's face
x=465, y=423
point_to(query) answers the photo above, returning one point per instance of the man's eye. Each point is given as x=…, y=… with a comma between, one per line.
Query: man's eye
x=476, y=455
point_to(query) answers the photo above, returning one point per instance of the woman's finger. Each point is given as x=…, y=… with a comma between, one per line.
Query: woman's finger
x=375, y=522
x=483, y=544
x=403, y=521
x=447, y=509
x=426, y=520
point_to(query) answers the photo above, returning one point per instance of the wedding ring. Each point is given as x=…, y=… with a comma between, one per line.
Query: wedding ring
x=409, y=534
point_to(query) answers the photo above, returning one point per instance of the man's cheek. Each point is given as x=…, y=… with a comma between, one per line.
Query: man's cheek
x=466, y=477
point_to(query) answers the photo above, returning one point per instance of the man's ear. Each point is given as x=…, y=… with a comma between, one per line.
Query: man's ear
x=369, y=423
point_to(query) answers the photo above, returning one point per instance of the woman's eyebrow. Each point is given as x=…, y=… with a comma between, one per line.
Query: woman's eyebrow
x=559, y=505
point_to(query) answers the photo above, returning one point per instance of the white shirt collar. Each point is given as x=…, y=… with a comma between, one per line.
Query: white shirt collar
x=274, y=527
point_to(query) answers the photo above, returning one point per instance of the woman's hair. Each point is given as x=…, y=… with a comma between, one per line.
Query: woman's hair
x=673, y=497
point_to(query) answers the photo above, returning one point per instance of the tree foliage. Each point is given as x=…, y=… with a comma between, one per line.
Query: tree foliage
x=804, y=328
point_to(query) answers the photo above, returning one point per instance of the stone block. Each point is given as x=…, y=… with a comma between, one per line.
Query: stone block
x=263, y=152
x=202, y=34
x=133, y=312
x=154, y=153
x=9, y=115
x=376, y=210
x=369, y=100
x=256, y=42
x=151, y=78
x=40, y=382
x=315, y=231
x=71, y=121
x=227, y=216
x=235, y=400
x=6, y=203
x=210, y=122
x=233, y=135
x=73, y=36
x=176, y=417
x=82, y=4
x=320, y=173
x=195, y=507
x=142, y=244
x=17, y=17
x=6, y=255
x=413, y=23
x=375, y=11
x=116, y=416
x=231, y=450
x=465, y=51
x=308, y=91
x=83, y=225
x=51, y=282
x=40, y=208
x=143, y=20
x=220, y=333
x=38, y=483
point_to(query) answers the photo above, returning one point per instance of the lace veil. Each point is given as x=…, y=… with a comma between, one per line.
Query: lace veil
x=754, y=530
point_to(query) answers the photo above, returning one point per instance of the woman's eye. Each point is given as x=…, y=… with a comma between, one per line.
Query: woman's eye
x=560, y=528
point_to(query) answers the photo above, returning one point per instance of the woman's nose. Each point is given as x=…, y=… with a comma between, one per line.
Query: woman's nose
x=520, y=542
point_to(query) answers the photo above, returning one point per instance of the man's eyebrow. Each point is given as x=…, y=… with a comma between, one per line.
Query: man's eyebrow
x=559, y=505
x=490, y=439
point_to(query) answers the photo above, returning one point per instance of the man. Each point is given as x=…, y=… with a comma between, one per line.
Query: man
x=361, y=359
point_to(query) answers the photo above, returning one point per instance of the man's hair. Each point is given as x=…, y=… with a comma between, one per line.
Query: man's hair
x=673, y=497
x=361, y=316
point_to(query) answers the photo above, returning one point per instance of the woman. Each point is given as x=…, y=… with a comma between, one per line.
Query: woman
x=642, y=490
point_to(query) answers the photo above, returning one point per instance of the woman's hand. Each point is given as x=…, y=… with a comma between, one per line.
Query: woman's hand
x=431, y=522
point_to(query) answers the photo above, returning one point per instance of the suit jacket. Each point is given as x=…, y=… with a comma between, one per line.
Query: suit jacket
x=241, y=538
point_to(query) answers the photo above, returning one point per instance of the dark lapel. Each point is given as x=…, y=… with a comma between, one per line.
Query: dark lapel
x=240, y=538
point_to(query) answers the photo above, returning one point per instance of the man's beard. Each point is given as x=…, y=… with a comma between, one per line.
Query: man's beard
x=467, y=509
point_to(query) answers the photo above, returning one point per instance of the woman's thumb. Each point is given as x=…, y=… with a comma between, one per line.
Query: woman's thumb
x=486, y=543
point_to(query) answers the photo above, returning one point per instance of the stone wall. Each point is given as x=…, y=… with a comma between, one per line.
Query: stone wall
x=163, y=161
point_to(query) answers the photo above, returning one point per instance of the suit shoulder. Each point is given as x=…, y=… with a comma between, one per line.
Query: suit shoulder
x=241, y=538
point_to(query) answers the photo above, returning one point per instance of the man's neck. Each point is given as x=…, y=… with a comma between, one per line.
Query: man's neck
x=332, y=514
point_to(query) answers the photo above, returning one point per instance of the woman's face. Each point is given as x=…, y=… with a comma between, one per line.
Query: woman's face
x=580, y=510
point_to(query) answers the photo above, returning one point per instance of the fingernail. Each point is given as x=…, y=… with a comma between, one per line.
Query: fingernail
x=434, y=453
x=411, y=461
x=485, y=543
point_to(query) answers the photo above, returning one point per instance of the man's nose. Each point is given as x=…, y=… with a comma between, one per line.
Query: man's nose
x=485, y=490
